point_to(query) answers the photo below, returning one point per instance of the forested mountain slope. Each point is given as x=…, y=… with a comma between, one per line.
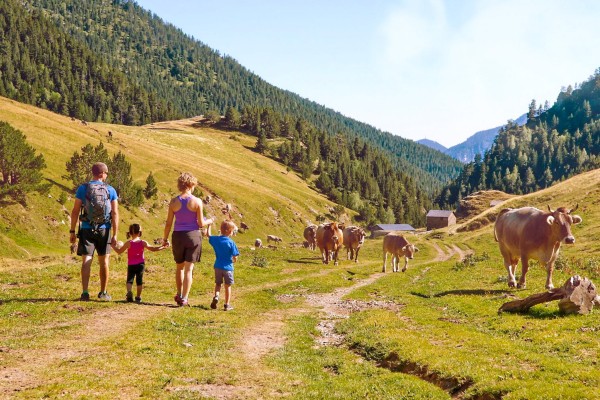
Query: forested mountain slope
x=192, y=79
x=555, y=144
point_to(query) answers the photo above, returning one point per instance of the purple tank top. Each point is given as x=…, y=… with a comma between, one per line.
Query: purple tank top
x=135, y=252
x=185, y=220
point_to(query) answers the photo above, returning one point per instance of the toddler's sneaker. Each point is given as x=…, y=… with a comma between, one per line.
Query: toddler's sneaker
x=129, y=297
x=138, y=300
x=227, y=307
x=104, y=296
x=214, y=302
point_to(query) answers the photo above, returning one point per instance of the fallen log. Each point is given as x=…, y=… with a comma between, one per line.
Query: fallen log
x=577, y=296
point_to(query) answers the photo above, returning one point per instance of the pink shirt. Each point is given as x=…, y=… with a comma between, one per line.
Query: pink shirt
x=135, y=252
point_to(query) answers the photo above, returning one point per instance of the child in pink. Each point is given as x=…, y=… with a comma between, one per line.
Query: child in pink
x=135, y=247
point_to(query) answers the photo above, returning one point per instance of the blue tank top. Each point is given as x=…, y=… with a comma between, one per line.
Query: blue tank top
x=185, y=220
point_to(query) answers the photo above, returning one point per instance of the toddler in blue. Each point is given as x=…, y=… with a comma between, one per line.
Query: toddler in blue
x=226, y=254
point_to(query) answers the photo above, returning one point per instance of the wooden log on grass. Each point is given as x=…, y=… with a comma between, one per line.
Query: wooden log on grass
x=577, y=296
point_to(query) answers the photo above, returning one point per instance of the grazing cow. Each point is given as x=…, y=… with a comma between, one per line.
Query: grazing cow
x=397, y=245
x=528, y=233
x=310, y=234
x=329, y=240
x=244, y=226
x=354, y=237
x=258, y=243
x=273, y=238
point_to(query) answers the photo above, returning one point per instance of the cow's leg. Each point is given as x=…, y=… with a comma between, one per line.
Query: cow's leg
x=405, y=264
x=550, y=270
x=335, y=256
x=395, y=263
x=524, y=268
x=323, y=255
x=356, y=255
x=384, y=260
x=512, y=281
x=349, y=253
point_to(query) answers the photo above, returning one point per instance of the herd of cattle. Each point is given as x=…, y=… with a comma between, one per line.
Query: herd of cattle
x=330, y=238
x=522, y=234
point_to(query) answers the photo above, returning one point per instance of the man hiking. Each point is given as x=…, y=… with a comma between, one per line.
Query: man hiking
x=96, y=207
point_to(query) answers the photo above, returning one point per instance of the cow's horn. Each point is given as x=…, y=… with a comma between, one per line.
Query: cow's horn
x=574, y=209
x=549, y=209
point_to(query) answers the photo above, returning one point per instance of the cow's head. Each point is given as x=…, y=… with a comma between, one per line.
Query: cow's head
x=561, y=220
x=409, y=251
x=361, y=235
x=334, y=231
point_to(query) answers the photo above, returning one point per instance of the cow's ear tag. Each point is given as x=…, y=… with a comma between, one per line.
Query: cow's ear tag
x=550, y=220
x=577, y=219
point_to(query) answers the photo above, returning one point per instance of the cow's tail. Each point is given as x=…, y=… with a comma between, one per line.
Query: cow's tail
x=502, y=212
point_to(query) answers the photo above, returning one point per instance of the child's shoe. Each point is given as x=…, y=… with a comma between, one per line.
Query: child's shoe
x=129, y=297
x=227, y=307
x=214, y=302
x=183, y=303
x=138, y=300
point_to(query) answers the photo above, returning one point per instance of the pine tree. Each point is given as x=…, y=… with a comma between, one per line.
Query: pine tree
x=151, y=189
x=20, y=168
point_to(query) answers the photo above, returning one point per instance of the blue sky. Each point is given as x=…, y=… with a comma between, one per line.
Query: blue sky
x=434, y=69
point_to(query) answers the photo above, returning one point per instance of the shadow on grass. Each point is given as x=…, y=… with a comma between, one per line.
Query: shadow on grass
x=464, y=292
x=305, y=261
x=91, y=300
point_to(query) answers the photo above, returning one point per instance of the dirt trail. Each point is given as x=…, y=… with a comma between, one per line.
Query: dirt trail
x=99, y=326
x=450, y=252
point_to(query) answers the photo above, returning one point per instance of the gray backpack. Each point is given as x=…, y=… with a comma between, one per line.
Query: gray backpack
x=96, y=207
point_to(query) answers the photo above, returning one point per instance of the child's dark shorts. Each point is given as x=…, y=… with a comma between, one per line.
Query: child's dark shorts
x=136, y=271
x=90, y=240
x=223, y=275
x=186, y=246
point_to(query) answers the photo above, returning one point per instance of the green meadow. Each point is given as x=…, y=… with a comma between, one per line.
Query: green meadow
x=299, y=329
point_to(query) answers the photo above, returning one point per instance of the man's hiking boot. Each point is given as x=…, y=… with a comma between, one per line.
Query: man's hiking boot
x=129, y=297
x=214, y=302
x=104, y=296
x=85, y=296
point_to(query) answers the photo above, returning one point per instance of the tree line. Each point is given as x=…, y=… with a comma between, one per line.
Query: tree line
x=556, y=143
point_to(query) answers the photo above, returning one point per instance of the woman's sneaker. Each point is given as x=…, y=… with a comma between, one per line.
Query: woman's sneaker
x=184, y=303
x=85, y=296
x=227, y=307
x=178, y=299
x=129, y=297
x=214, y=302
x=138, y=300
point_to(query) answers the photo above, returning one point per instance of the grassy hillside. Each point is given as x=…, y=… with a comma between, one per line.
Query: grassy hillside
x=299, y=330
x=263, y=194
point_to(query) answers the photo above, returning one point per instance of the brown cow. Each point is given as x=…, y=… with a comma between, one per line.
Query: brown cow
x=329, y=240
x=310, y=234
x=397, y=245
x=528, y=233
x=354, y=237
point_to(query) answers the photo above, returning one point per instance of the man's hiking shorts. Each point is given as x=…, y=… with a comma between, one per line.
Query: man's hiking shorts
x=90, y=240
